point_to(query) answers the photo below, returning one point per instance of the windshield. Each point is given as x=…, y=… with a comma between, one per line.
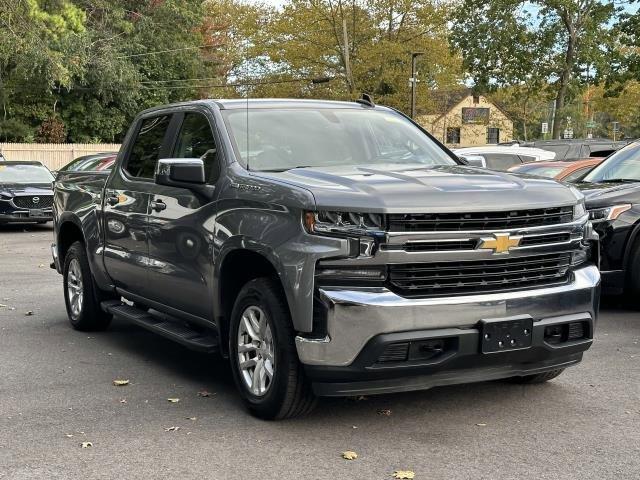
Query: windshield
x=622, y=165
x=282, y=139
x=24, y=174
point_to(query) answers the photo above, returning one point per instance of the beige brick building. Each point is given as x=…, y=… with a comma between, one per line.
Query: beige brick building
x=470, y=120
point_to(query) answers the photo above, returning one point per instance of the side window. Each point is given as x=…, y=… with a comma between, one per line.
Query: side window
x=146, y=147
x=196, y=141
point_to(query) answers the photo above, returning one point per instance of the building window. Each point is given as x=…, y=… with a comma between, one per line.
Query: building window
x=493, y=135
x=453, y=135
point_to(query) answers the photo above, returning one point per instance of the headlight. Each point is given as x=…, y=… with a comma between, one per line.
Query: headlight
x=608, y=213
x=343, y=223
x=579, y=210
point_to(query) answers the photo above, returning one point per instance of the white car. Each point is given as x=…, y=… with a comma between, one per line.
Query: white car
x=502, y=157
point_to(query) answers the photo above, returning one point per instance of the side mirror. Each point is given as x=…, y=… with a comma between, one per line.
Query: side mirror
x=184, y=173
x=474, y=160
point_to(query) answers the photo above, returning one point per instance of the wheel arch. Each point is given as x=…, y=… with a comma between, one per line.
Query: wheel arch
x=236, y=268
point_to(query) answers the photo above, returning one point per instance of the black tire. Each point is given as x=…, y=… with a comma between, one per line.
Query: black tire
x=289, y=393
x=89, y=316
x=538, y=378
x=632, y=283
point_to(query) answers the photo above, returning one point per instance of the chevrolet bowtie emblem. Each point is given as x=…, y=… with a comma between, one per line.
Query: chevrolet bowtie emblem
x=500, y=243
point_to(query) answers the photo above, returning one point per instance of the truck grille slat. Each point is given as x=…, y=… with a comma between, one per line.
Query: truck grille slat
x=467, y=277
x=432, y=222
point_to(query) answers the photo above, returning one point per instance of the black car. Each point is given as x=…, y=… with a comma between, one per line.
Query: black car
x=26, y=194
x=612, y=196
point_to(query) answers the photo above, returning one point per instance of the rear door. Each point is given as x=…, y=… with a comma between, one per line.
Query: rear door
x=126, y=252
x=181, y=224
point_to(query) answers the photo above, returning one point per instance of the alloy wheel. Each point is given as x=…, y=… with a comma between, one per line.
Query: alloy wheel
x=256, y=351
x=74, y=287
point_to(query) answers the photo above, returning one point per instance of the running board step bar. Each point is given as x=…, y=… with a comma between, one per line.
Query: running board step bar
x=163, y=325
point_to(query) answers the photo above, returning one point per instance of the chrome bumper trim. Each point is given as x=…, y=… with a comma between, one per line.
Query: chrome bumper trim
x=358, y=314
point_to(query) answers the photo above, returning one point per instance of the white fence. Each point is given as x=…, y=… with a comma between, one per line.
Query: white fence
x=53, y=155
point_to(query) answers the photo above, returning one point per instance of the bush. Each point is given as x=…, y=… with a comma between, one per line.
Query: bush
x=13, y=130
x=52, y=130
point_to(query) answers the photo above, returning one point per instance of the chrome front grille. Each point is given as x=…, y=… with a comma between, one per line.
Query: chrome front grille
x=444, y=222
x=33, y=201
x=479, y=276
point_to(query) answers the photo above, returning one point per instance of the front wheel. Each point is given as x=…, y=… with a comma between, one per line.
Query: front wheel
x=80, y=292
x=264, y=360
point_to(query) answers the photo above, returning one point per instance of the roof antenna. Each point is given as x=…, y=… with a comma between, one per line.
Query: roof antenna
x=366, y=100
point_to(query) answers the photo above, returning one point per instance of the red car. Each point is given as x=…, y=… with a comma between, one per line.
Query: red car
x=566, y=171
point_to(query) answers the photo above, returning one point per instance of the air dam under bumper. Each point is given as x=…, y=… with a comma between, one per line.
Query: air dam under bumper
x=359, y=319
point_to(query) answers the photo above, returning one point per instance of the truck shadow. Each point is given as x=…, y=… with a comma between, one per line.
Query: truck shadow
x=194, y=370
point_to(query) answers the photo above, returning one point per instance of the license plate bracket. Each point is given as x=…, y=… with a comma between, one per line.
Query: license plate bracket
x=506, y=334
x=36, y=212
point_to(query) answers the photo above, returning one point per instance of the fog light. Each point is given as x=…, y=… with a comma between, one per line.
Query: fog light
x=553, y=334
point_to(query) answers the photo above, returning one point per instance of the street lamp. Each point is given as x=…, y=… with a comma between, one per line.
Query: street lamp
x=414, y=81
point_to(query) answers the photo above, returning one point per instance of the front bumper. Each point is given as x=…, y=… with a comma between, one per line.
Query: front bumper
x=24, y=217
x=357, y=317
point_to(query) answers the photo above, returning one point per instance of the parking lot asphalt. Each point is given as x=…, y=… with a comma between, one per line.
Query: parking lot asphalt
x=56, y=392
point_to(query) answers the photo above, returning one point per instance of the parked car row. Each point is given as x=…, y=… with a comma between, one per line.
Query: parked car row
x=26, y=187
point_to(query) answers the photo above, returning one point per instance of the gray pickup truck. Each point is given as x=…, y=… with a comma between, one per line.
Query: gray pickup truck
x=327, y=249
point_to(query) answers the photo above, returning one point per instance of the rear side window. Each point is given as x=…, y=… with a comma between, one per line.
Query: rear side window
x=147, y=146
x=196, y=141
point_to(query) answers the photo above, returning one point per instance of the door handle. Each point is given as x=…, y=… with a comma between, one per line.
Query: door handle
x=158, y=205
x=113, y=200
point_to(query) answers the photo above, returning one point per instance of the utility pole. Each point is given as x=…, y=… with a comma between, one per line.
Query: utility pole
x=414, y=81
x=345, y=48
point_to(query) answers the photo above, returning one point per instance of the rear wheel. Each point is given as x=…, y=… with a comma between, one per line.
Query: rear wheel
x=264, y=360
x=538, y=378
x=81, y=295
x=632, y=284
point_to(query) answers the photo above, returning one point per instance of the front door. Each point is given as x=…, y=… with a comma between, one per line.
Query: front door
x=181, y=226
x=126, y=252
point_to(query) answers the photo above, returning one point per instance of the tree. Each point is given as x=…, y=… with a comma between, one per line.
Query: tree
x=503, y=42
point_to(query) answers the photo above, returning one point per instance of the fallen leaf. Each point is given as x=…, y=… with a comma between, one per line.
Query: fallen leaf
x=204, y=393
x=2, y=305
x=120, y=383
x=481, y=424
x=404, y=474
x=172, y=429
x=41, y=265
x=385, y=411
x=69, y=435
x=173, y=400
x=124, y=400
x=349, y=455
x=193, y=419
x=28, y=313
x=86, y=444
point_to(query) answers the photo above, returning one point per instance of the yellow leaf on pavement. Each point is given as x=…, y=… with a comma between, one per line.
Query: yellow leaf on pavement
x=120, y=383
x=404, y=474
x=349, y=455
x=173, y=400
x=87, y=444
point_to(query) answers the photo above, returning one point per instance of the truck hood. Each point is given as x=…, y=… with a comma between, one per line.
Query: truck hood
x=414, y=189
x=606, y=194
